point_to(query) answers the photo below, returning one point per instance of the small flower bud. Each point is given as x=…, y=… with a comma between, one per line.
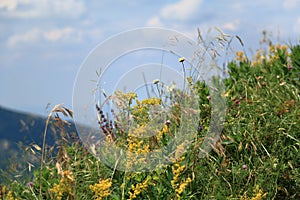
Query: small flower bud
x=182, y=59
x=155, y=81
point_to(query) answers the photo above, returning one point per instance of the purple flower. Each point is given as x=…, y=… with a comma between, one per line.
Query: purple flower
x=30, y=184
x=200, y=128
x=244, y=167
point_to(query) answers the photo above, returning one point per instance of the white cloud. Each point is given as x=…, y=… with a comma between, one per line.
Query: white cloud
x=62, y=35
x=58, y=34
x=41, y=8
x=297, y=26
x=231, y=26
x=8, y=5
x=28, y=37
x=290, y=4
x=37, y=35
x=182, y=10
x=155, y=22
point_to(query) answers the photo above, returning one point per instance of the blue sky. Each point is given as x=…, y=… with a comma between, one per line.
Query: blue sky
x=44, y=42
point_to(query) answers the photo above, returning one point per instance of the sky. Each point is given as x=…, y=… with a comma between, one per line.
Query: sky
x=43, y=43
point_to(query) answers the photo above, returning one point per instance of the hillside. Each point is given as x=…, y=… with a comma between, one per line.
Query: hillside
x=19, y=130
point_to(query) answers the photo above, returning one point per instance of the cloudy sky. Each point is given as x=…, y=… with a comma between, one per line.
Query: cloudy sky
x=44, y=42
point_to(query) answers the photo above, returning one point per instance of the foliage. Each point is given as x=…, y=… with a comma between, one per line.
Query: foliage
x=257, y=156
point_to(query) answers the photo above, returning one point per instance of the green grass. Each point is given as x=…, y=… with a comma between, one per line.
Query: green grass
x=257, y=156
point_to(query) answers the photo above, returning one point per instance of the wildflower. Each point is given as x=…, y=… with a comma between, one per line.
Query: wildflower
x=30, y=184
x=200, y=128
x=259, y=194
x=93, y=138
x=155, y=81
x=240, y=56
x=237, y=102
x=130, y=95
x=182, y=187
x=151, y=101
x=164, y=130
x=137, y=189
x=208, y=97
x=244, y=167
x=282, y=83
x=178, y=183
x=168, y=122
x=182, y=59
x=101, y=189
x=284, y=47
x=2, y=191
x=64, y=186
x=171, y=88
x=10, y=196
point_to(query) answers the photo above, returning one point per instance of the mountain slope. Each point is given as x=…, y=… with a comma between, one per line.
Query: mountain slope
x=21, y=129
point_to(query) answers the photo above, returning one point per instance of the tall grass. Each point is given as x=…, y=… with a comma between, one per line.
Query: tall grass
x=257, y=156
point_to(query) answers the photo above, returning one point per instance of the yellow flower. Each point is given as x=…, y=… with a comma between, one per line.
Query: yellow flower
x=101, y=189
x=10, y=196
x=178, y=183
x=65, y=185
x=258, y=196
x=130, y=95
x=240, y=56
x=151, y=101
x=137, y=189
x=182, y=186
x=164, y=130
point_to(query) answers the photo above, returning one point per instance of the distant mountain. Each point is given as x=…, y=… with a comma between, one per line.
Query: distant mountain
x=19, y=130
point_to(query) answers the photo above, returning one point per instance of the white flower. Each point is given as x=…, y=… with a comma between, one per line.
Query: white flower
x=155, y=81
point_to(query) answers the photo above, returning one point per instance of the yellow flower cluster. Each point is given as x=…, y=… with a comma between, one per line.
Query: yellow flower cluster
x=10, y=196
x=101, y=189
x=150, y=101
x=2, y=191
x=240, y=56
x=259, y=57
x=5, y=194
x=176, y=169
x=164, y=130
x=137, y=189
x=275, y=50
x=140, y=111
x=137, y=146
x=65, y=185
x=123, y=100
x=271, y=54
x=258, y=196
x=178, y=184
x=182, y=187
x=130, y=96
